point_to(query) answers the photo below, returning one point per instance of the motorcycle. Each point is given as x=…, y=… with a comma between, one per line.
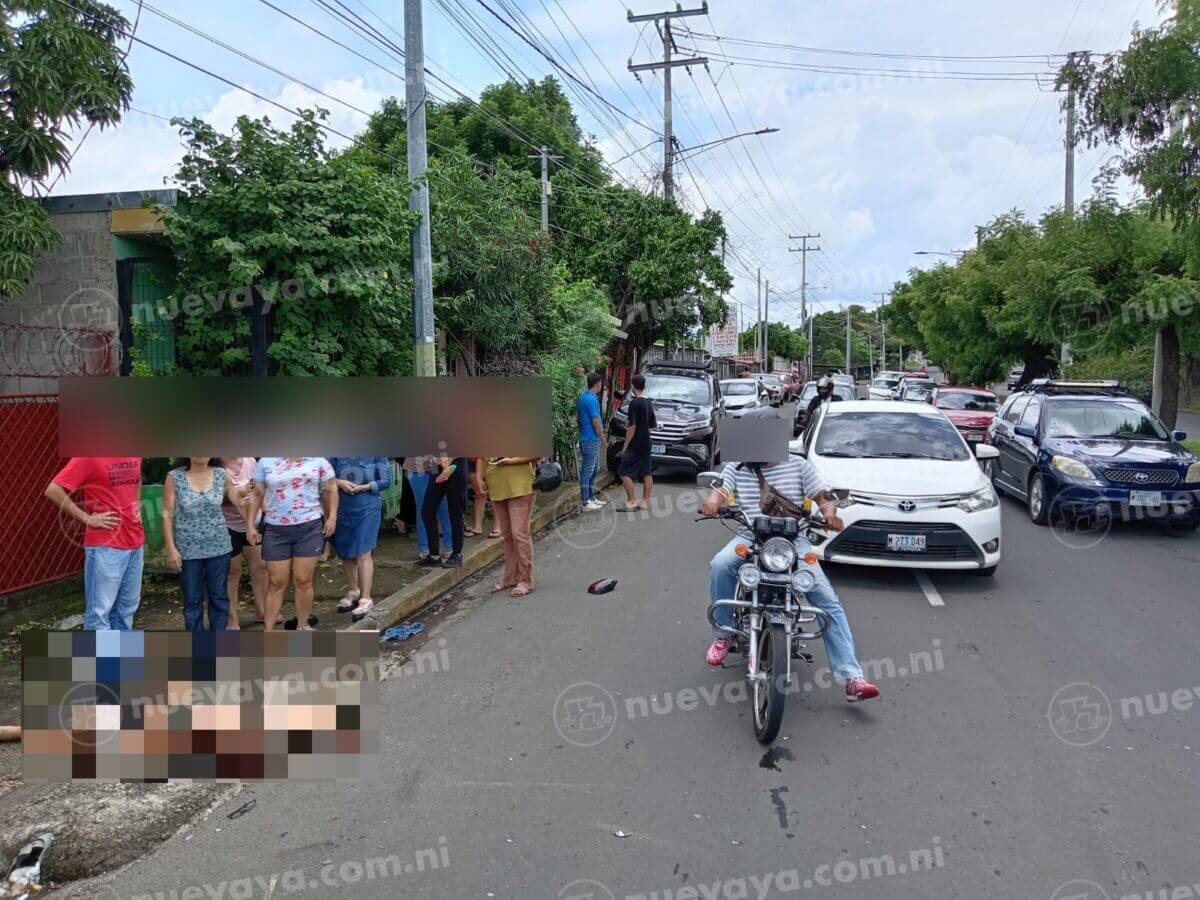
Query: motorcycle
x=771, y=621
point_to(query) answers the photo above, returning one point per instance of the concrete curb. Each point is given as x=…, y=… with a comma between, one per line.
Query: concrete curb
x=411, y=599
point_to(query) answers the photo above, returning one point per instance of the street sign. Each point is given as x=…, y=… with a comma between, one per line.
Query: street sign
x=723, y=339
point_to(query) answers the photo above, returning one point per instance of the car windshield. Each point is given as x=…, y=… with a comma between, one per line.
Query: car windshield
x=971, y=400
x=1103, y=419
x=771, y=381
x=738, y=388
x=885, y=382
x=889, y=435
x=672, y=387
x=810, y=391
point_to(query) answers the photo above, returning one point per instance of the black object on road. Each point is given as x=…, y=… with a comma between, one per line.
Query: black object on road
x=603, y=586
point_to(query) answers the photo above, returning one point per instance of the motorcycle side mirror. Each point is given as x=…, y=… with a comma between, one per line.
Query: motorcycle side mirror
x=712, y=479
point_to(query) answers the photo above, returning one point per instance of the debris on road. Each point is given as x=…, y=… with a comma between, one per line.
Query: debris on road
x=25, y=874
x=243, y=809
x=603, y=586
x=621, y=834
x=401, y=632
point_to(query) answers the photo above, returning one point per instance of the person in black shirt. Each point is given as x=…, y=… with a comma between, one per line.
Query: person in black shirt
x=635, y=456
x=824, y=392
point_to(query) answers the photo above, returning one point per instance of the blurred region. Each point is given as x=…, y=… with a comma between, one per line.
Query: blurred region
x=278, y=416
x=755, y=439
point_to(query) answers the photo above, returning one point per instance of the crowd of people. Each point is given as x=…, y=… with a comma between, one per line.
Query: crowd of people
x=273, y=519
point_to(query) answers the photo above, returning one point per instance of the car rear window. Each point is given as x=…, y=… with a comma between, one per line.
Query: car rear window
x=888, y=435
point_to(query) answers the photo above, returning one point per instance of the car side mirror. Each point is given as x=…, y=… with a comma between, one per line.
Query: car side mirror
x=1026, y=431
x=986, y=451
x=1179, y=435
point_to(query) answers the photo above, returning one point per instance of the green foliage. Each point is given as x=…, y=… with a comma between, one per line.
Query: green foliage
x=324, y=238
x=59, y=66
x=1133, y=367
x=782, y=340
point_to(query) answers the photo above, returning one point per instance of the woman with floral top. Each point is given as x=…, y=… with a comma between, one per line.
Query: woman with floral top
x=197, y=539
x=300, y=498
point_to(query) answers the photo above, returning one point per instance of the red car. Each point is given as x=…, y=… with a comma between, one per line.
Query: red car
x=971, y=409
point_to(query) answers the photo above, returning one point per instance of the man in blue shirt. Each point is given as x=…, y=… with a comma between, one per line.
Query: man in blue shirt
x=591, y=439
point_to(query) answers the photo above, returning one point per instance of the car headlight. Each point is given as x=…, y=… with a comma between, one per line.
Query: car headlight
x=1193, y=473
x=777, y=555
x=803, y=581
x=984, y=498
x=749, y=576
x=1073, y=468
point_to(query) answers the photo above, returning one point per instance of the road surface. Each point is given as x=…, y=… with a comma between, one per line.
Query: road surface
x=578, y=746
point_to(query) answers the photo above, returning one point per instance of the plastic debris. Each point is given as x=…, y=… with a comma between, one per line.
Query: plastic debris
x=243, y=809
x=25, y=874
x=603, y=586
x=401, y=632
x=621, y=834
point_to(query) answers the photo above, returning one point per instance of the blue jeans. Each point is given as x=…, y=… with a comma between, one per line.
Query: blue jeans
x=589, y=463
x=112, y=588
x=420, y=482
x=197, y=577
x=839, y=642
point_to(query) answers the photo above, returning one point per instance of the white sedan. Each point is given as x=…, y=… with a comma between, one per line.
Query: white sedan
x=910, y=490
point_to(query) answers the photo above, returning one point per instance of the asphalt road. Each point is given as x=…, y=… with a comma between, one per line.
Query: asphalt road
x=1006, y=757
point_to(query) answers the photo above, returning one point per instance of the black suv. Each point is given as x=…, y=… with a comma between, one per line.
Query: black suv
x=687, y=404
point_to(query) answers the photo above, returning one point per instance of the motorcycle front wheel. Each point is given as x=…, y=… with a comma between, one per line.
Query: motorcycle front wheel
x=768, y=689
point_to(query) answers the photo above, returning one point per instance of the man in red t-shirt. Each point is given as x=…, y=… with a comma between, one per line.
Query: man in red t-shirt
x=113, y=539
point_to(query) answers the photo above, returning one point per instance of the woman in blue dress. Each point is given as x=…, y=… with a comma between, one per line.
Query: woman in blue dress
x=360, y=480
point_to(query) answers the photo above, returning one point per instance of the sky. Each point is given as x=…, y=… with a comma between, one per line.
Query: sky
x=879, y=166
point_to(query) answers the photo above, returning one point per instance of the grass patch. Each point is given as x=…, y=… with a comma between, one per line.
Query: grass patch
x=1193, y=445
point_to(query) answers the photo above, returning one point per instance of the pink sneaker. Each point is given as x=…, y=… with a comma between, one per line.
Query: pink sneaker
x=718, y=650
x=860, y=689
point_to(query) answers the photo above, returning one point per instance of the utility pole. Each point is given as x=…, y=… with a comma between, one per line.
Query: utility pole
x=424, y=340
x=662, y=21
x=1064, y=355
x=804, y=250
x=883, y=298
x=545, y=156
x=812, y=357
x=767, y=326
x=848, y=371
x=758, y=313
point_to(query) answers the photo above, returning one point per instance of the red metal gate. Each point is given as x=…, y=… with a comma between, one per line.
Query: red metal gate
x=37, y=543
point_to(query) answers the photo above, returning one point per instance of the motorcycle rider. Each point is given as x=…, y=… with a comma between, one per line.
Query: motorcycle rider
x=795, y=479
x=824, y=394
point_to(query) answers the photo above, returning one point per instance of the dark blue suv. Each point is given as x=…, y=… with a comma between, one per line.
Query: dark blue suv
x=1092, y=450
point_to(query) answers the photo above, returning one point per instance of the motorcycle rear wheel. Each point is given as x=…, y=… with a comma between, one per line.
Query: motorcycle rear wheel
x=768, y=689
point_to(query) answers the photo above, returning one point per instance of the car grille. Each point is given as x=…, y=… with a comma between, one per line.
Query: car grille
x=944, y=542
x=1141, y=476
x=668, y=433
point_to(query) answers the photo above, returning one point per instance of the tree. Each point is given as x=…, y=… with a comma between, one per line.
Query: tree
x=1144, y=98
x=59, y=66
x=323, y=239
x=782, y=341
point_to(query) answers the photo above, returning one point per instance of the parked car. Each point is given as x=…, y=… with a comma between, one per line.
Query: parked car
x=742, y=395
x=774, y=386
x=910, y=491
x=791, y=384
x=971, y=409
x=914, y=387
x=1014, y=377
x=806, y=394
x=884, y=386
x=687, y=404
x=844, y=385
x=1092, y=450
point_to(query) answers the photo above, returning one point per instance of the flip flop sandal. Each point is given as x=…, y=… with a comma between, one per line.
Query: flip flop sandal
x=495, y=533
x=471, y=532
x=360, y=611
x=520, y=591
x=346, y=603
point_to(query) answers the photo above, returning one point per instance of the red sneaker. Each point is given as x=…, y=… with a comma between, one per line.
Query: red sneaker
x=860, y=689
x=718, y=651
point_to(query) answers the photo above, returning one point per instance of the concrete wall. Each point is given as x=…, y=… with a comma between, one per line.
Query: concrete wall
x=42, y=332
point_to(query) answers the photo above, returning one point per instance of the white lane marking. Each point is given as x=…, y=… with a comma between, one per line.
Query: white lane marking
x=931, y=593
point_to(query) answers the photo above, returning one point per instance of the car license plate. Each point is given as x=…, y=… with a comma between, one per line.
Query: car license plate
x=906, y=543
x=1145, y=498
x=658, y=449
x=974, y=437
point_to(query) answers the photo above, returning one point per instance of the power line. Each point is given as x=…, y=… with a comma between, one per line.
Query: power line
x=1017, y=57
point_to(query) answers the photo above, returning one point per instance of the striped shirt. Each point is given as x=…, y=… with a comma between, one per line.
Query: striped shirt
x=795, y=479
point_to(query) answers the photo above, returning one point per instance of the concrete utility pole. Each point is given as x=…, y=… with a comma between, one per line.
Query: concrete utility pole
x=811, y=351
x=424, y=340
x=883, y=298
x=804, y=250
x=758, y=313
x=668, y=63
x=1064, y=355
x=848, y=371
x=767, y=326
x=545, y=156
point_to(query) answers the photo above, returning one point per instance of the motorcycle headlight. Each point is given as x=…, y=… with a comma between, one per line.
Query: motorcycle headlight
x=749, y=576
x=984, y=498
x=803, y=581
x=777, y=555
x=1073, y=468
x=1193, y=473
